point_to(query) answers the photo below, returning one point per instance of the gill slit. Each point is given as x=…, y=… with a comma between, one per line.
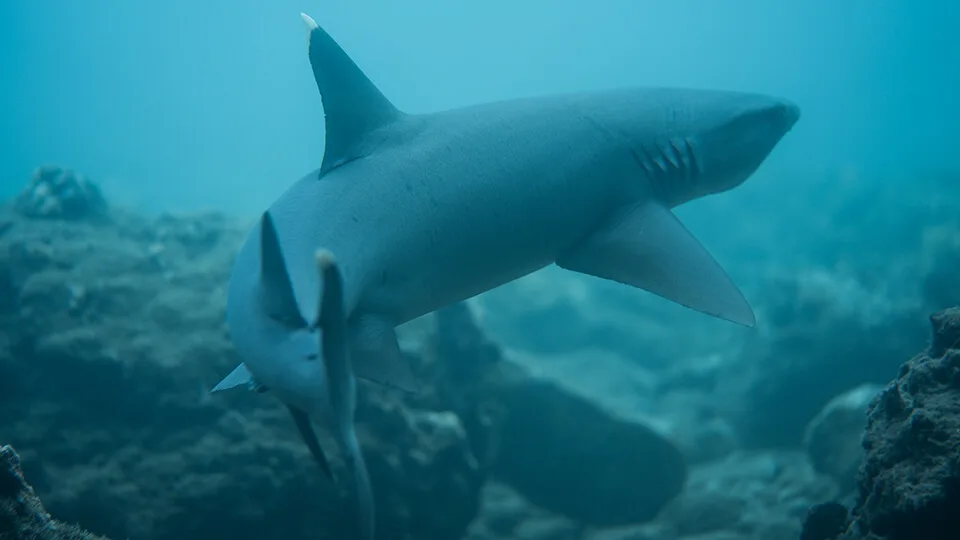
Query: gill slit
x=669, y=174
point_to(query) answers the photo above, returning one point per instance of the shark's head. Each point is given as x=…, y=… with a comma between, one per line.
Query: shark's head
x=736, y=134
x=692, y=143
x=279, y=346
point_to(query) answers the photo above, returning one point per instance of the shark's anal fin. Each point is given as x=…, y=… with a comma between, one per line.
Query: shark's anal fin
x=646, y=246
x=240, y=376
x=276, y=291
x=376, y=356
x=302, y=420
x=353, y=106
x=341, y=385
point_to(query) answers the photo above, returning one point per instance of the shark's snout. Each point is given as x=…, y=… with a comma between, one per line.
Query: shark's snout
x=789, y=113
x=779, y=115
x=741, y=131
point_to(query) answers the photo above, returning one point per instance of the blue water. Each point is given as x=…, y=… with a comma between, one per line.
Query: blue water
x=187, y=105
x=844, y=241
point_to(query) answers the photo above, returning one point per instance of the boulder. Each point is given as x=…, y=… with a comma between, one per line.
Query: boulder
x=824, y=334
x=58, y=193
x=748, y=495
x=832, y=438
x=909, y=482
x=530, y=431
x=22, y=515
x=745, y=496
x=506, y=514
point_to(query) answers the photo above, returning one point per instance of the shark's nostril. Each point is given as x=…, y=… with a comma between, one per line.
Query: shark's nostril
x=790, y=112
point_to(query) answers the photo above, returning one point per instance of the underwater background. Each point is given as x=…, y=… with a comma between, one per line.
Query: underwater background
x=559, y=406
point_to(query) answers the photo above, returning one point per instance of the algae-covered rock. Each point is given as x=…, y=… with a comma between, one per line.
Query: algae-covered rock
x=58, y=193
x=910, y=476
x=546, y=433
x=832, y=439
x=111, y=336
x=749, y=494
x=22, y=515
x=544, y=439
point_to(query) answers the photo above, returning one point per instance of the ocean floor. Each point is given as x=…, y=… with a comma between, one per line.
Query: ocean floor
x=556, y=407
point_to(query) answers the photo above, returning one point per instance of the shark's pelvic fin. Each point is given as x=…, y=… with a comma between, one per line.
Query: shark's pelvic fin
x=648, y=247
x=376, y=356
x=353, y=106
x=310, y=437
x=341, y=385
x=239, y=376
x=276, y=291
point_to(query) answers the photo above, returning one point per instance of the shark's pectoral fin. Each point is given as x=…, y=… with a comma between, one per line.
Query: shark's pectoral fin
x=239, y=376
x=353, y=106
x=376, y=354
x=310, y=438
x=646, y=246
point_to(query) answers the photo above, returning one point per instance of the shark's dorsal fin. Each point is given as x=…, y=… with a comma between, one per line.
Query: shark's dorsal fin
x=276, y=291
x=352, y=105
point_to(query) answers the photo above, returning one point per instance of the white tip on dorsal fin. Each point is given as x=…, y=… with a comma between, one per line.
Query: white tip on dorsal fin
x=308, y=20
x=310, y=24
x=353, y=106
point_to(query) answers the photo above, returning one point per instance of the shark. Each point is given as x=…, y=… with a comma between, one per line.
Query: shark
x=408, y=213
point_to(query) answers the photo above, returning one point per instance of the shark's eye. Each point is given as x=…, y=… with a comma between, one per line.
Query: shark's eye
x=313, y=356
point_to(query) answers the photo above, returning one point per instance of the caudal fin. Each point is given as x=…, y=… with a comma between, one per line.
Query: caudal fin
x=364, y=493
x=341, y=384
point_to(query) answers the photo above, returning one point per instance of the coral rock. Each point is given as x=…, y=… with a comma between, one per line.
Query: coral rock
x=22, y=514
x=58, y=193
x=910, y=476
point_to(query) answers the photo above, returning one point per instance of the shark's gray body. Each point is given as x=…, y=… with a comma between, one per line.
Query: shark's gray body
x=421, y=211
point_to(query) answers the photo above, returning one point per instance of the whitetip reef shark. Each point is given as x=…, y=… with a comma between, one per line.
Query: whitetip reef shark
x=412, y=212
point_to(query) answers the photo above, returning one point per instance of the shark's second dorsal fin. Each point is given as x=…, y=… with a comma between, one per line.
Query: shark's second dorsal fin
x=352, y=105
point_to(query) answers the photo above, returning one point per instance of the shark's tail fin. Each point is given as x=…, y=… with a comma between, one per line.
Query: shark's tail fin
x=364, y=491
x=341, y=384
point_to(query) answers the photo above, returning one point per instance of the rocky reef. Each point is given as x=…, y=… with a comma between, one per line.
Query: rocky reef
x=113, y=331
x=112, y=334
x=22, y=515
x=529, y=431
x=58, y=193
x=909, y=481
x=554, y=408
